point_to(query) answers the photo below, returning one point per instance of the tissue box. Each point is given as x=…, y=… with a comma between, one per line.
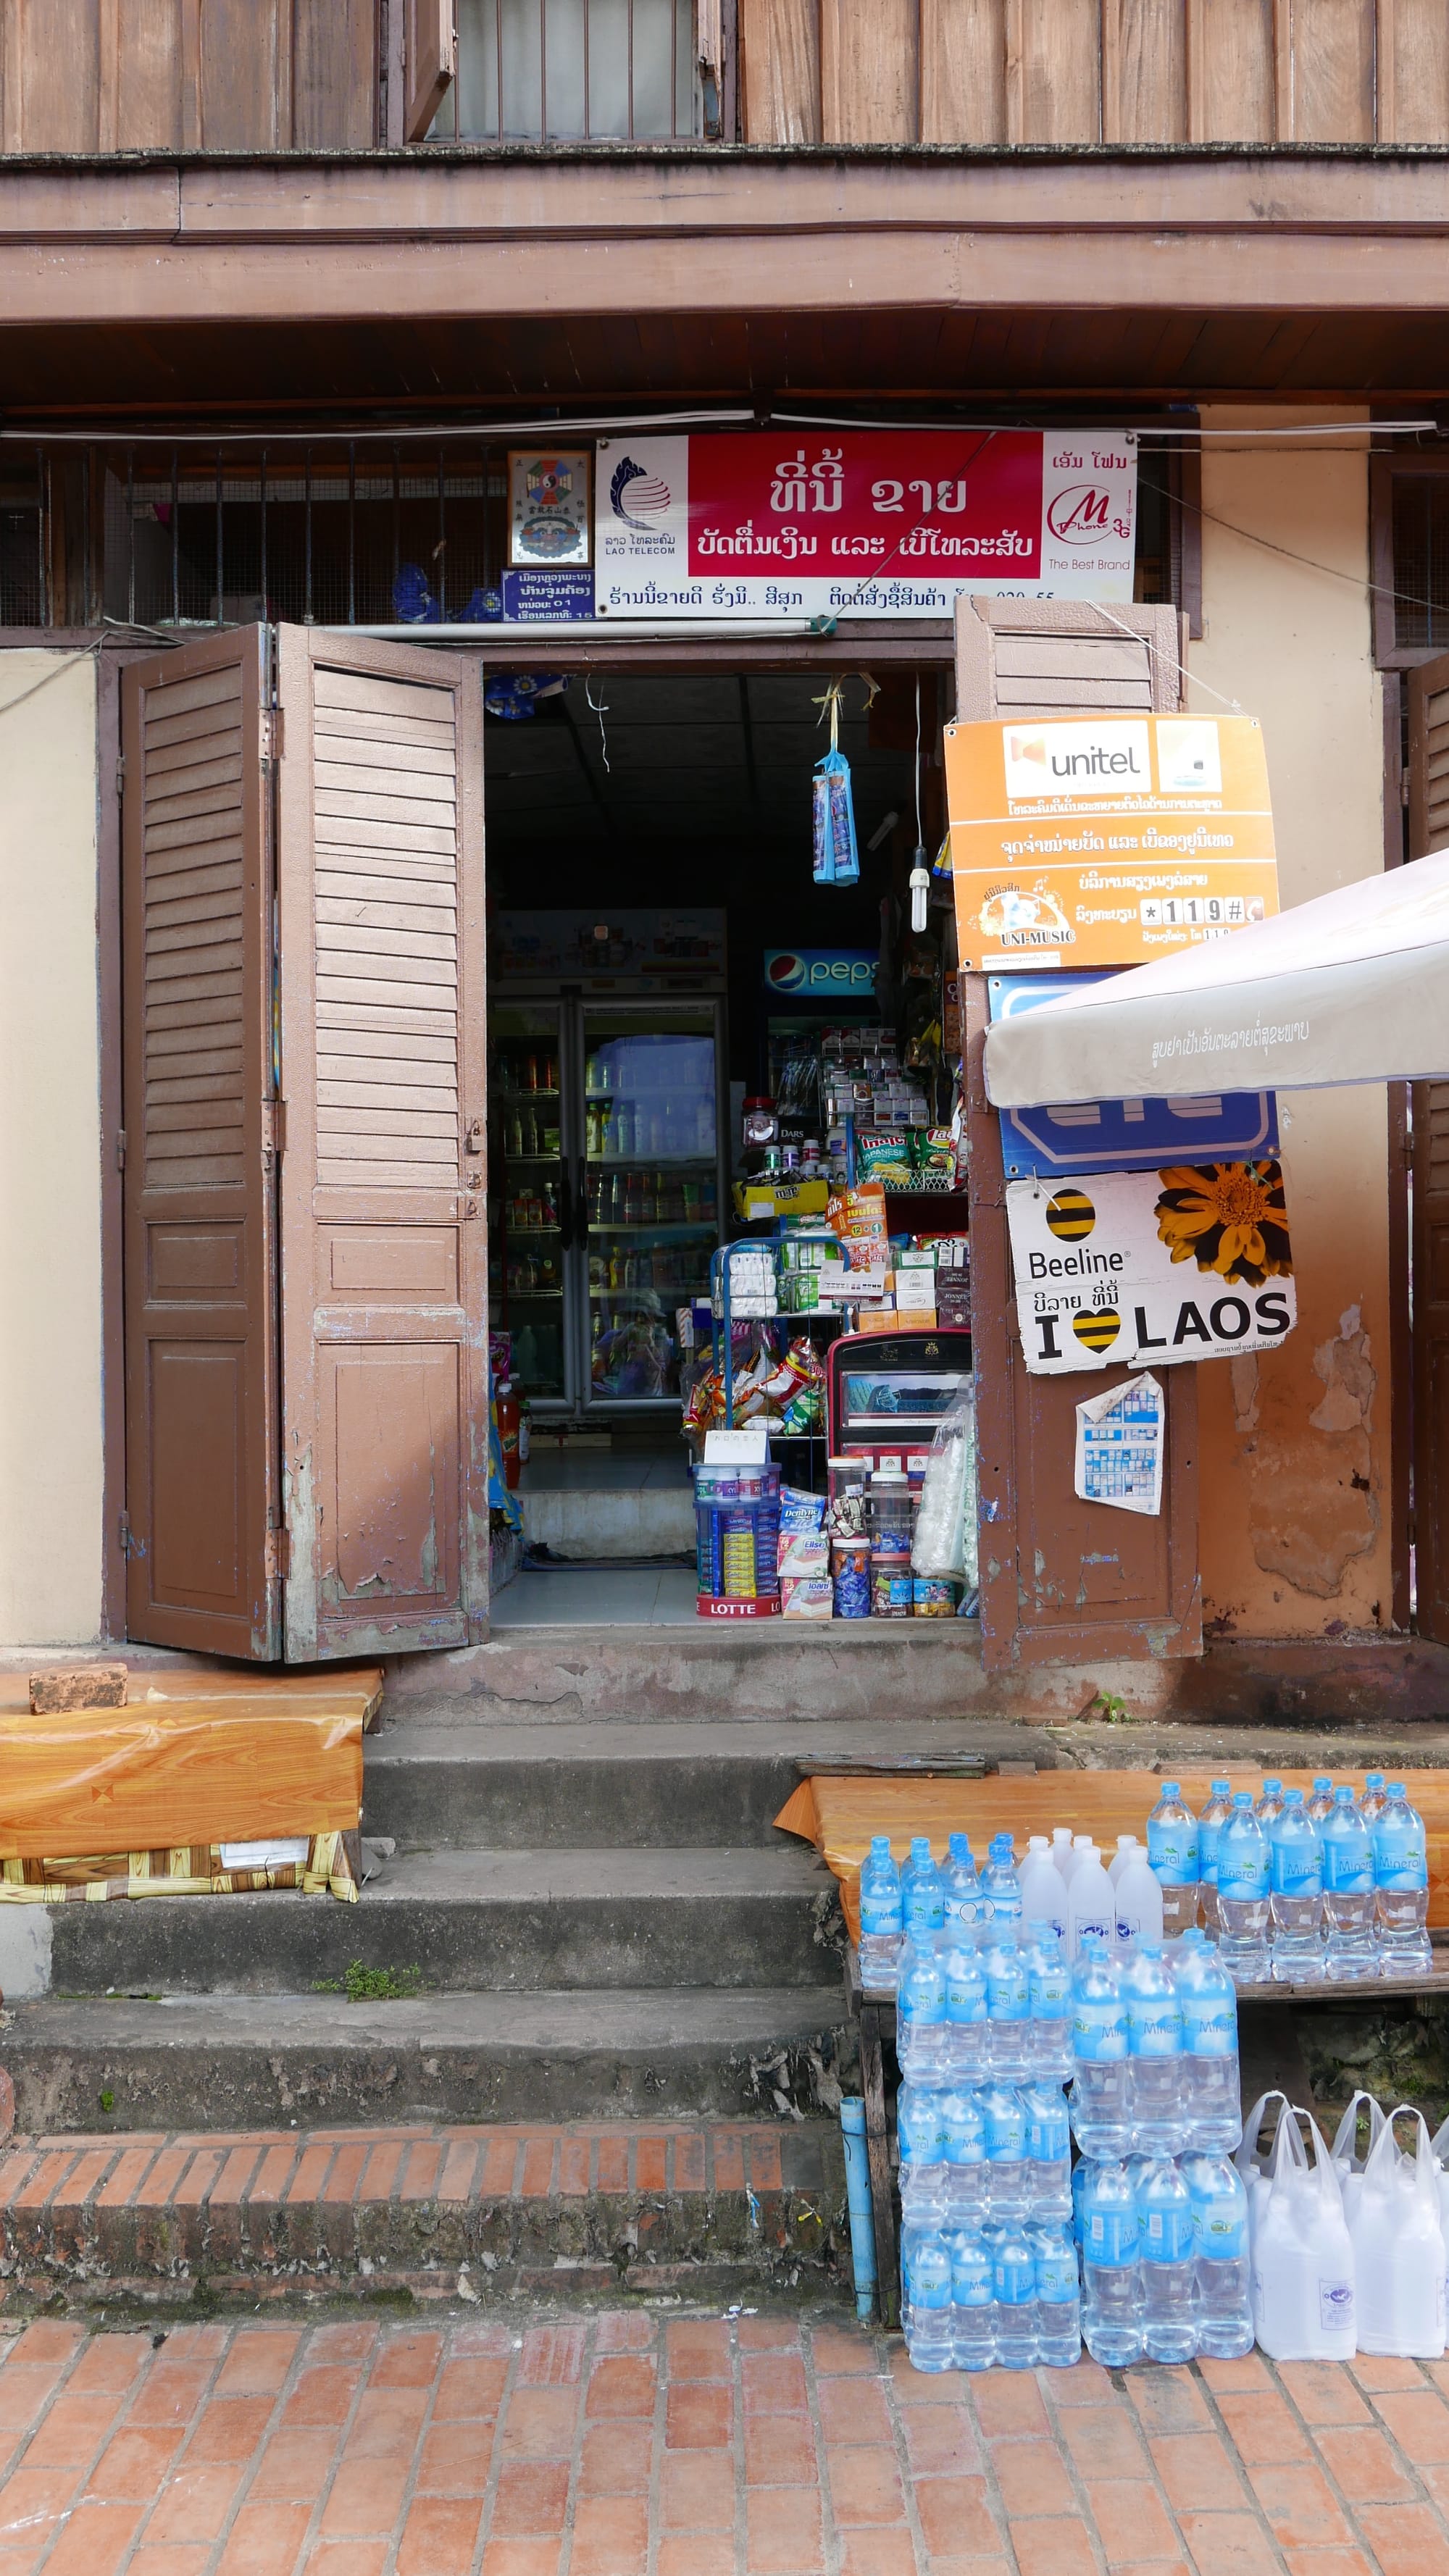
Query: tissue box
x=807, y=1596
x=803, y=1553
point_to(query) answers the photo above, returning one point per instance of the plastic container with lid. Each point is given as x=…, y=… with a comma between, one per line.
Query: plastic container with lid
x=850, y=1572
x=889, y=1513
x=761, y=1124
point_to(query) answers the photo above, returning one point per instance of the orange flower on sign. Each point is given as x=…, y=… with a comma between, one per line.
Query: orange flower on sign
x=1231, y=1218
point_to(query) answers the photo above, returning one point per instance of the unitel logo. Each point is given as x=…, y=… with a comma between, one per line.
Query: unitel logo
x=1076, y=758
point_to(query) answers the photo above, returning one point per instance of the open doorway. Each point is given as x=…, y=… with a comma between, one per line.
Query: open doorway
x=660, y=955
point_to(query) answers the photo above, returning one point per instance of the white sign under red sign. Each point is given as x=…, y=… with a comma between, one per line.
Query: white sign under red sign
x=860, y=523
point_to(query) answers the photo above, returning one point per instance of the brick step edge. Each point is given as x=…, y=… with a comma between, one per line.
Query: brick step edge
x=439, y=2212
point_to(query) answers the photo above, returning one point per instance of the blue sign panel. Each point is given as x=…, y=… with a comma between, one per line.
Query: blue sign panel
x=821, y=974
x=544, y=594
x=1122, y=1135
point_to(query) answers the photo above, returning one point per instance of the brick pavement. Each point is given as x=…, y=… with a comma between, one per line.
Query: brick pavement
x=621, y=2443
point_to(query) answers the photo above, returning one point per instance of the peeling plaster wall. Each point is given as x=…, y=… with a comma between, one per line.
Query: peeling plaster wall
x=1294, y=1445
x=50, y=1155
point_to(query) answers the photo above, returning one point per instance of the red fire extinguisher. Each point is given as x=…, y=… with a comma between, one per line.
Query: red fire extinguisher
x=507, y=1412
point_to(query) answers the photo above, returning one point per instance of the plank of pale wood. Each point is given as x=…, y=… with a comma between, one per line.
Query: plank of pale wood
x=1061, y=73
x=1238, y=85
x=780, y=48
x=359, y=690
x=869, y=73
x=334, y=79
x=840, y=1812
x=434, y=784
x=1333, y=71
x=963, y=71
x=1414, y=82
x=1144, y=72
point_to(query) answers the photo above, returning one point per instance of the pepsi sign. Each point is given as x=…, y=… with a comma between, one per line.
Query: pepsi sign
x=821, y=974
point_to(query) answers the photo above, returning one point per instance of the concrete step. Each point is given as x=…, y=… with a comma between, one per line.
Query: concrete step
x=415, y=2214
x=525, y=1920
x=645, y=1520
x=605, y=1782
x=233, y=2061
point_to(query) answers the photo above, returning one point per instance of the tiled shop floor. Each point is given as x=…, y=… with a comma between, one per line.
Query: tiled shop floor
x=633, y=2444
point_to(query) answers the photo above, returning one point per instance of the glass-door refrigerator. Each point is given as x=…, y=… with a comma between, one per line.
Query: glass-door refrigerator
x=607, y=1178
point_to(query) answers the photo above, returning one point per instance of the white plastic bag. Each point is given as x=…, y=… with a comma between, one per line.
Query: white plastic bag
x=1398, y=2246
x=945, y=1545
x=1348, y=2165
x=1252, y=2166
x=1303, y=2257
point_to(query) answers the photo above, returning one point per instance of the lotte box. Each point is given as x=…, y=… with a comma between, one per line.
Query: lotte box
x=1106, y=840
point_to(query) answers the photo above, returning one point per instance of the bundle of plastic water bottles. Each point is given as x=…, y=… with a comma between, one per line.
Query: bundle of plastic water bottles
x=1005, y=2258
x=1333, y=1885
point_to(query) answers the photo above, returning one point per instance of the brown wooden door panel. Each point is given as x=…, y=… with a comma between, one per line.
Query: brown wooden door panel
x=202, y=1485
x=1429, y=1224
x=1062, y=1581
x=383, y=1250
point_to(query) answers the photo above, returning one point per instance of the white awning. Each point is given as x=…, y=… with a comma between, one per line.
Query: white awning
x=1353, y=987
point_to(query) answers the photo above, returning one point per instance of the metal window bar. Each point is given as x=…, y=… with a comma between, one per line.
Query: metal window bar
x=175, y=539
x=579, y=71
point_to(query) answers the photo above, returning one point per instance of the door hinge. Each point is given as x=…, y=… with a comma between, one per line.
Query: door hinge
x=278, y=1556
x=124, y=1534
x=274, y=1131
x=1411, y=1529
x=120, y=771
x=274, y=736
x=1404, y=787
x=120, y=1149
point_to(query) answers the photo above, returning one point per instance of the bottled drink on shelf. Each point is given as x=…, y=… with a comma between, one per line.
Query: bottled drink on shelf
x=1128, y=1848
x=962, y=1889
x=1155, y=2053
x=1244, y=1878
x=1296, y=1858
x=1051, y=2006
x=1091, y=1902
x=1063, y=1853
x=1043, y=1895
x=968, y=2031
x=921, y=2141
x=1166, y=2235
x=1000, y=1886
x=1269, y=1807
x=882, y=1918
x=1401, y=1885
x=1209, y=1830
x=1013, y=2287
x=1212, y=2095
x=1101, y=2101
x=1004, y=2113
x=963, y=2137
x=1350, y=1948
x=1221, y=2260
x=1172, y=1849
x=1320, y=1802
x=919, y=1864
x=1048, y=2151
x=1008, y=2005
x=1112, y=2323
x=927, y=2314
x=1139, y=1903
x=1058, y=2295
x=1371, y=1804
x=922, y=2037
x=973, y=2305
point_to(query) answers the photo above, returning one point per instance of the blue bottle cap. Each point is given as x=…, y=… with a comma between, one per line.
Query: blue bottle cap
x=1171, y=1789
x=1222, y=1788
x=1396, y=1789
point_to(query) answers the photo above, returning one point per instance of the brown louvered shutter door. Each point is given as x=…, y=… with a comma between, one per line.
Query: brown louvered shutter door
x=1429, y=830
x=384, y=1268
x=201, y=1389
x=1062, y=1581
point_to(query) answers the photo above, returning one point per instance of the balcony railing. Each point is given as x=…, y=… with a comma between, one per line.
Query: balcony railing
x=579, y=71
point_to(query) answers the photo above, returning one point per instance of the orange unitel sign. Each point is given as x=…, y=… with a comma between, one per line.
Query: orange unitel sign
x=1106, y=840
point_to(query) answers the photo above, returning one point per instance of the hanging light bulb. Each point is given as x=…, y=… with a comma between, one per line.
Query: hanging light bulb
x=920, y=888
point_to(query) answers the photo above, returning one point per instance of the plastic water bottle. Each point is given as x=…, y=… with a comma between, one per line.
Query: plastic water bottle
x=1212, y=2094
x=1101, y=2100
x=1004, y=2113
x=1008, y=2004
x=1064, y=1853
x=1172, y=1851
x=1043, y=1896
x=1000, y=1886
x=1222, y=2264
x=1296, y=1857
x=1320, y=1803
x=962, y=1890
x=1051, y=2007
x=921, y=2143
x=1140, y=1904
x=1155, y=2049
x=1244, y=1878
x=882, y=1916
x=1013, y=2285
x=968, y=2035
x=1128, y=1848
x=1058, y=2295
x=1091, y=1904
x=1371, y=1805
x=1350, y=1951
x=1270, y=1806
x=1209, y=1827
x=929, y=2316
x=1081, y=1845
x=1112, y=2322
x=921, y=2030
x=967, y=2175
x=1082, y=2173
x=1169, y=2263
x=923, y=1893
x=973, y=2303
x=1401, y=1885
x=1048, y=2151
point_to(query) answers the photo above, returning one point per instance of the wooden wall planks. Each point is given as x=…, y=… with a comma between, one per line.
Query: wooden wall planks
x=1088, y=71
x=187, y=75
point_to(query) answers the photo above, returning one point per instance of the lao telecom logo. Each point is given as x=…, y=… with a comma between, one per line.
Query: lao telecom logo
x=647, y=495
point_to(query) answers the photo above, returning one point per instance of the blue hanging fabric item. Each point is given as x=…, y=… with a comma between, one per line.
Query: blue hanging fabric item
x=837, y=860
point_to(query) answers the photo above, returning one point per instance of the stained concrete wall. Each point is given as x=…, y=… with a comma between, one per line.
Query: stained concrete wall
x=50, y=1154
x=1295, y=1444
